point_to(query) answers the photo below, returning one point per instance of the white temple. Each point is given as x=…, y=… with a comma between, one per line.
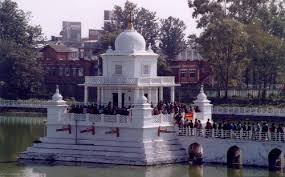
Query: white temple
x=139, y=138
x=129, y=71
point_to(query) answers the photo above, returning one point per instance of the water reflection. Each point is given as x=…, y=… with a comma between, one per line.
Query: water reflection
x=195, y=171
x=16, y=136
x=234, y=172
x=130, y=171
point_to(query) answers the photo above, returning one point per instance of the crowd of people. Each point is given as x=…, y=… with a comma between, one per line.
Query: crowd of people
x=163, y=107
x=99, y=109
x=235, y=126
x=237, y=130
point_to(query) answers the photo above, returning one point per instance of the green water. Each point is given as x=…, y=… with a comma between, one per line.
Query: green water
x=19, y=133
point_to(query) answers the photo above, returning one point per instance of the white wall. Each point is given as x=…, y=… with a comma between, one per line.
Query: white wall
x=132, y=65
x=215, y=150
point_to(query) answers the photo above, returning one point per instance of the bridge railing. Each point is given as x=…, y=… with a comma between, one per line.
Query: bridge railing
x=233, y=134
x=254, y=111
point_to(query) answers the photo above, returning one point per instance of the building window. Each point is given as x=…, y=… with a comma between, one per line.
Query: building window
x=183, y=74
x=54, y=71
x=60, y=71
x=146, y=70
x=118, y=69
x=67, y=72
x=80, y=72
x=74, y=72
x=192, y=73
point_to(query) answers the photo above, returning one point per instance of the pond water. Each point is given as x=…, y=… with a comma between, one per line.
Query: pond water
x=16, y=134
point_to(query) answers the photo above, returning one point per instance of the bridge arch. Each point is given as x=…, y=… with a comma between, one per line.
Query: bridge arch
x=195, y=152
x=275, y=160
x=234, y=157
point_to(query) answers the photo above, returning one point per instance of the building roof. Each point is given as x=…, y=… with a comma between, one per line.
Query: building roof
x=59, y=48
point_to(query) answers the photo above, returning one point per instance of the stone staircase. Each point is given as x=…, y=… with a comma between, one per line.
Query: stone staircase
x=107, y=151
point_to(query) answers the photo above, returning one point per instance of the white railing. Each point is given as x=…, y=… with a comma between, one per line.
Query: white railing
x=101, y=80
x=253, y=111
x=163, y=119
x=97, y=119
x=23, y=103
x=233, y=134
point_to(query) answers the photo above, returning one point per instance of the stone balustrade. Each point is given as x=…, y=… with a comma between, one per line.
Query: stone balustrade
x=233, y=134
x=104, y=120
x=252, y=111
x=163, y=119
x=100, y=80
x=97, y=119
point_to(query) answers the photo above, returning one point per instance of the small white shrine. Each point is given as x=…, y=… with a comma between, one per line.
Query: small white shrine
x=139, y=138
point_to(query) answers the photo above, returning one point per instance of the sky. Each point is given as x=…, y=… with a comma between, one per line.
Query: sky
x=49, y=14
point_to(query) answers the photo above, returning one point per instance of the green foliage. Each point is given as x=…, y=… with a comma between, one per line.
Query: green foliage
x=271, y=16
x=208, y=12
x=172, y=37
x=108, y=39
x=20, y=72
x=267, y=57
x=162, y=68
x=223, y=43
x=261, y=38
x=145, y=22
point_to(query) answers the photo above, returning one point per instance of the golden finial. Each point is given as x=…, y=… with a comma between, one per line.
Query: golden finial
x=130, y=22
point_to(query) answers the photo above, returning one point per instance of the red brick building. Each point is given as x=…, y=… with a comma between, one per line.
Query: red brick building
x=191, y=69
x=63, y=66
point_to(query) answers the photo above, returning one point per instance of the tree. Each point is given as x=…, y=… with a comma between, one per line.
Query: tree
x=20, y=71
x=172, y=37
x=264, y=21
x=145, y=22
x=267, y=57
x=163, y=68
x=207, y=12
x=271, y=16
x=223, y=43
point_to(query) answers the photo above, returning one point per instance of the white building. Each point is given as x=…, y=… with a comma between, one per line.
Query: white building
x=140, y=138
x=128, y=72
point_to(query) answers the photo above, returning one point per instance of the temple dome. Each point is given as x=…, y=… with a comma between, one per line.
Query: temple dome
x=130, y=41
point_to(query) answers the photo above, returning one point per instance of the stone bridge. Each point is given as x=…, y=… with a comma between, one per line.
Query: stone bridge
x=235, y=148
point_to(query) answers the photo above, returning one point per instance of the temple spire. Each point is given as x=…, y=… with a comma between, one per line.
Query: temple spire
x=130, y=22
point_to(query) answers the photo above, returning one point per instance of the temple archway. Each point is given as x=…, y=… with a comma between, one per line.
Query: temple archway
x=195, y=152
x=234, y=158
x=275, y=160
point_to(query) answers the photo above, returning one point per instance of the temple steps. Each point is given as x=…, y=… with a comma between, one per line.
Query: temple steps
x=102, y=152
x=171, y=147
x=113, y=152
x=108, y=159
x=99, y=142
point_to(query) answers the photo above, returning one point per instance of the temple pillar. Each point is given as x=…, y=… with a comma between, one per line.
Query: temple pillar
x=155, y=98
x=98, y=96
x=119, y=98
x=102, y=96
x=85, y=94
x=149, y=95
x=161, y=94
x=172, y=94
x=136, y=95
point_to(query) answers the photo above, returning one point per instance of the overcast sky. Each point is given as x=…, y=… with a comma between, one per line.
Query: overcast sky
x=50, y=13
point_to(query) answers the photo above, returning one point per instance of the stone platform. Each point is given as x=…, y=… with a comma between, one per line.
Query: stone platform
x=106, y=151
